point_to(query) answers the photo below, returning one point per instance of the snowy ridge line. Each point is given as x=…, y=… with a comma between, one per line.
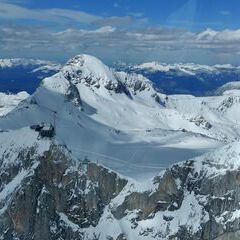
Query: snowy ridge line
x=189, y=68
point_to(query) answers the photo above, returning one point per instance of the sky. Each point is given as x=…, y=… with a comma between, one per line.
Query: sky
x=133, y=31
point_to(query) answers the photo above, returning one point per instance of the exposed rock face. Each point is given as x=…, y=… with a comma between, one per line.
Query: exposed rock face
x=91, y=72
x=52, y=196
x=211, y=213
x=201, y=121
x=228, y=103
x=57, y=196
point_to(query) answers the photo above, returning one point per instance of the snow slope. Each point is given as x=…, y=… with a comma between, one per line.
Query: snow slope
x=9, y=101
x=123, y=120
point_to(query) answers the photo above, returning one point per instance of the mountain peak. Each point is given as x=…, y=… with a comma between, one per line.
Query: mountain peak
x=89, y=68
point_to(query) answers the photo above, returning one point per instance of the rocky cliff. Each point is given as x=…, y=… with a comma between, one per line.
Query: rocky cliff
x=45, y=193
x=52, y=196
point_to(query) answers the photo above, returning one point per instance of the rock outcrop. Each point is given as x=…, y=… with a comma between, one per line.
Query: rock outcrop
x=56, y=197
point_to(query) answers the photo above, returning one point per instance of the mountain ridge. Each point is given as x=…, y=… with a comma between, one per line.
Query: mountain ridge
x=145, y=164
x=170, y=78
x=184, y=198
x=184, y=78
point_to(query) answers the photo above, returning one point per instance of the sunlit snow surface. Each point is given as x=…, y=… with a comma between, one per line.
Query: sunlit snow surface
x=9, y=101
x=130, y=132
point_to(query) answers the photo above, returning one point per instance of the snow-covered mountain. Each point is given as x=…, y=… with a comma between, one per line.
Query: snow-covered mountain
x=120, y=110
x=130, y=132
x=9, y=101
x=186, y=68
x=24, y=74
x=185, y=78
x=228, y=87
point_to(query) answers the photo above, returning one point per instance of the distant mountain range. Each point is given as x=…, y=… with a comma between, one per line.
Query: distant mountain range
x=19, y=74
x=25, y=75
x=186, y=78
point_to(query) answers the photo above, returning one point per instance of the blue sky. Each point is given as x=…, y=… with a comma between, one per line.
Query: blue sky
x=201, y=31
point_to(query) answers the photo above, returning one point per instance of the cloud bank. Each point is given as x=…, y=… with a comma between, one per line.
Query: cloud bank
x=111, y=38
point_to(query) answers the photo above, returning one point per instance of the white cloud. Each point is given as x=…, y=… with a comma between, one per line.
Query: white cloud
x=109, y=42
x=223, y=37
x=110, y=37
